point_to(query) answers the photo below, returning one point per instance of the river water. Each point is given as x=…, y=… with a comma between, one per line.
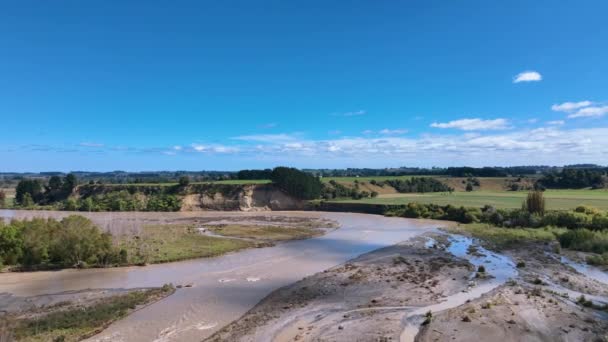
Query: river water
x=223, y=288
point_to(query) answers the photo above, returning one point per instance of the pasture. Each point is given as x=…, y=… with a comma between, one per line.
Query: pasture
x=555, y=199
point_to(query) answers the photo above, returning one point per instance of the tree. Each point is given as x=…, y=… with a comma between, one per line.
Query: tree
x=184, y=181
x=2, y=199
x=55, y=183
x=30, y=187
x=69, y=184
x=534, y=203
x=469, y=187
x=297, y=183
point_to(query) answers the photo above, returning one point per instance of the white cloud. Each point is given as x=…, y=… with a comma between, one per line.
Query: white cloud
x=570, y=106
x=474, y=124
x=556, y=123
x=589, y=112
x=177, y=148
x=353, y=113
x=527, y=76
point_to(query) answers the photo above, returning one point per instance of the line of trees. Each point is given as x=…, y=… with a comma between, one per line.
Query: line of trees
x=417, y=184
x=574, y=179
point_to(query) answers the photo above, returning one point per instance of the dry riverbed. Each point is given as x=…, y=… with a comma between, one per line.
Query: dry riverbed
x=438, y=288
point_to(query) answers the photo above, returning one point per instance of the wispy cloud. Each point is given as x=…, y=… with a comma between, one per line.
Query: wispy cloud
x=353, y=113
x=474, y=124
x=267, y=138
x=570, y=106
x=527, y=76
x=589, y=112
x=91, y=144
x=556, y=123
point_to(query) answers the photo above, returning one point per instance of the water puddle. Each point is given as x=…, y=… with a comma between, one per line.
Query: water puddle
x=499, y=269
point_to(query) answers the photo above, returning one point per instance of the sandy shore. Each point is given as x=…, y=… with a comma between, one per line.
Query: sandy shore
x=381, y=296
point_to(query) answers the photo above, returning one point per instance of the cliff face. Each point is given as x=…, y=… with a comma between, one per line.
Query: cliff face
x=241, y=198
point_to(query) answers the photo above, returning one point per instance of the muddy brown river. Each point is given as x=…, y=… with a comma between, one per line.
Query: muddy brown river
x=225, y=287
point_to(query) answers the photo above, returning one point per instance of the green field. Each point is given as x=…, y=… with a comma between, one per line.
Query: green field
x=556, y=199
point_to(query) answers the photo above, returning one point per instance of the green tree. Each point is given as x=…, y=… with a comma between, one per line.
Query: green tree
x=469, y=187
x=55, y=183
x=2, y=199
x=184, y=181
x=31, y=187
x=69, y=184
x=297, y=183
x=11, y=244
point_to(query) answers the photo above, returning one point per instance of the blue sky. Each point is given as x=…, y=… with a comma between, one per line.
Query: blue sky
x=151, y=85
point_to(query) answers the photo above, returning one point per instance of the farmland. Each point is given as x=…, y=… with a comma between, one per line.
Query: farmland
x=556, y=199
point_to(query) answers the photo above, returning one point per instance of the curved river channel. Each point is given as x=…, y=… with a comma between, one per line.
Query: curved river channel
x=223, y=288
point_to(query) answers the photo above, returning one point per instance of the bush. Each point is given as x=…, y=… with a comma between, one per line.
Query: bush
x=70, y=242
x=585, y=240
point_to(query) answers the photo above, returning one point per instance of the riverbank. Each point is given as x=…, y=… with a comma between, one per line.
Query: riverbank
x=149, y=241
x=441, y=288
x=220, y=289
x=72, y=315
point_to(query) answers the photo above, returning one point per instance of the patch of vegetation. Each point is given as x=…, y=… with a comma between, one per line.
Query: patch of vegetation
x=334, y=190
x=598, y=260
x=77, y=323
x=273, y=233
x=40, y=243
x=418, y=184
x=166, y=243
x=504, y=238
x=586, y=241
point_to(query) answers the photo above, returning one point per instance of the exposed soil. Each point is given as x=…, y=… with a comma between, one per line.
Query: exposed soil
x=368, y=299
x=363, y=299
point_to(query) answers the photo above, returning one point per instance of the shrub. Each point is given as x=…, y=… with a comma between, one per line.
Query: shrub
x=535, y=203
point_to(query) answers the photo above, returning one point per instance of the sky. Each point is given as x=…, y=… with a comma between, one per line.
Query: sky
x=228, y=85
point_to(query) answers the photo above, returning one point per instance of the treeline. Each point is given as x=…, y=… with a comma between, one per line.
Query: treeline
x=465, y=171
x=416, y=184
x=124, y=201
x=575, y=179
x=47, y=243
x=254, y=174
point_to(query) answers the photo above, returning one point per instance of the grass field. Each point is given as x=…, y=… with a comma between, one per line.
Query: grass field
x=165, y=243
x=556, y=199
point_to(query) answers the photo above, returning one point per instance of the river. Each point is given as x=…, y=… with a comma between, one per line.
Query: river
x=223, y=288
